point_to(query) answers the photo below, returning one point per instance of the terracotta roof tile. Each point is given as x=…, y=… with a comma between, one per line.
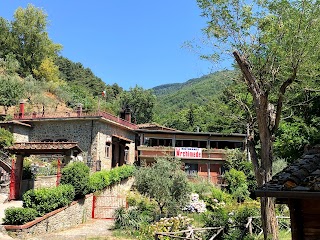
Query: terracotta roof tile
x=302, y=175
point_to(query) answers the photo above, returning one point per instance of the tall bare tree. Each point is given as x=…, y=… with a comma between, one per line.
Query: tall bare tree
x=276, y=46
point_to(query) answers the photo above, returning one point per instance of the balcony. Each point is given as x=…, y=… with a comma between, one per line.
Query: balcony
x=160, y=151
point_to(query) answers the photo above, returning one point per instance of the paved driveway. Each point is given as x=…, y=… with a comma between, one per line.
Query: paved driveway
x=92, y=229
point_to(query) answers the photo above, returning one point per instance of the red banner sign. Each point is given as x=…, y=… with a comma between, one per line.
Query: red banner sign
x=188, y=152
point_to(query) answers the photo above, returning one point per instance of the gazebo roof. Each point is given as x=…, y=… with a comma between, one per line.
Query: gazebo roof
x=301, y=179
x=38, y=148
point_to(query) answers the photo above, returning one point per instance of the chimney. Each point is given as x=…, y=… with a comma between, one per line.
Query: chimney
x=21, y=110
x=79, y=110
x=127, y=114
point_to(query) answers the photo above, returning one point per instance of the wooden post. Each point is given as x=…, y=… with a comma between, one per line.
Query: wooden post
x=12, y=181
x=58, y=173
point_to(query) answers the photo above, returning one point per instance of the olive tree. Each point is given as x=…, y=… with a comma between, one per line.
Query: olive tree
x=165, y=182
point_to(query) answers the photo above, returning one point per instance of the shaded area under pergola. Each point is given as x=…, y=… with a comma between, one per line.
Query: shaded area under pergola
x=25, y=149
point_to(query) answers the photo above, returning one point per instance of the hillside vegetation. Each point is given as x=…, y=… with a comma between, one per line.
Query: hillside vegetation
x=49, y=82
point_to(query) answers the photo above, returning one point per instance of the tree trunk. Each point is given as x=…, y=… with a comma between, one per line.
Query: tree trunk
x=266, y=126
x=268, y=216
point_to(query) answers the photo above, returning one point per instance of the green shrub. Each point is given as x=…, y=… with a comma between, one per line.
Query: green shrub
x=202, y=187
x=45, y=200
x=6, y=138
x=76, y=174
x=142, y=203
x=121, y=173
x=18, y=216
x=173, y=224
x=98, y=181
x=237, y=184
x=26, y=172
x=131, y=218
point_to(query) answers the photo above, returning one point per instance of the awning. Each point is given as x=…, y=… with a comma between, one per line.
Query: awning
x=38, y=148
x=122, y=138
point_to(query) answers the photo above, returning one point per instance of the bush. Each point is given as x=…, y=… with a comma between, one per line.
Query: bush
x=76, y=174
x=26, y=172
x=100, y=180
x=173, y=224
x=45, y=200
x=131, y=218
x=202, y=187
x=144, y=204
x=6, y=138
x=18, y=216
x=121, y=173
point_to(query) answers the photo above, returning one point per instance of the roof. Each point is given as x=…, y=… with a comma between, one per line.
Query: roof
x=26, y=148
x=62, y=116
x=122, y=138
x=155, y=126
x=301, y=179
x=14, y=122
x=177, y=132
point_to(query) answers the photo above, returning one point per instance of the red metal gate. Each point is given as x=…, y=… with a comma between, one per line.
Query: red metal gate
x=104, y=206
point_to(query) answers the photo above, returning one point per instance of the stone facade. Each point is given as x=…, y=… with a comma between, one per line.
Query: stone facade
x=91, y=133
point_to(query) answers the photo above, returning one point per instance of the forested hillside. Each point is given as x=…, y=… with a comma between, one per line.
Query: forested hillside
x=195, y=105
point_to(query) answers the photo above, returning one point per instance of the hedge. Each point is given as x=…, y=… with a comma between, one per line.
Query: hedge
x=19, y=215
x=100, y=180
x=45, y=200
x=37, y=202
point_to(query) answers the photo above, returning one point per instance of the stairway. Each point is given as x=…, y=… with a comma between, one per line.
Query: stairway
x=5, y=171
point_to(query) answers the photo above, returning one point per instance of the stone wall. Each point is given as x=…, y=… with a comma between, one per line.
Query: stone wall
x=21, y=133
x=78, y=212
x=39, y=182
x=61, y=219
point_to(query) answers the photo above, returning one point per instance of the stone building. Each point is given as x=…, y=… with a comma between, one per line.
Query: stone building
x=106, y=141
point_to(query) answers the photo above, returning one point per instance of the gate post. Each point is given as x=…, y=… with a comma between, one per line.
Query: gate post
x=93, y=205
x=12, y=193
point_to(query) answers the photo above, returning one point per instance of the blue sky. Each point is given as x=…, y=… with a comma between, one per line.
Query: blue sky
x=126, y=42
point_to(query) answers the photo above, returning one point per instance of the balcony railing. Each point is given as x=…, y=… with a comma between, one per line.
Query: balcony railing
x=74, y=114
x=156, y=151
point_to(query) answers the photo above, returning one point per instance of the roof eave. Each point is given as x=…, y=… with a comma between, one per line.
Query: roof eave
x=287, y=194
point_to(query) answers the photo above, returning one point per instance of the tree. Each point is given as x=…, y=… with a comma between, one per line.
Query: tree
x=141, y=103
x=237, y=184
x=31, y=43
x=11, y=91
x=6, y=138
x=275, y=45
x=165, y=182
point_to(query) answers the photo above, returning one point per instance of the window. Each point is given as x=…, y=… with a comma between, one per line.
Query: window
x=107, y=150
x=191, y=169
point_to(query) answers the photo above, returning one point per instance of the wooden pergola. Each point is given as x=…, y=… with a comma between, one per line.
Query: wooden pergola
x=25, y=149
